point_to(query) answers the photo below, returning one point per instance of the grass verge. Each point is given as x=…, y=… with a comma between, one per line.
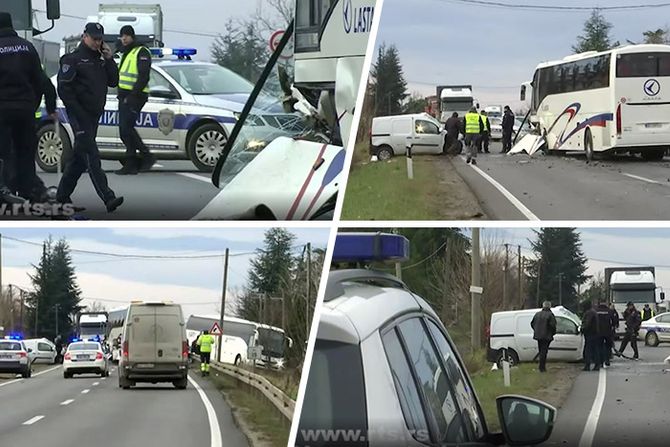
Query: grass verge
x=287, y=380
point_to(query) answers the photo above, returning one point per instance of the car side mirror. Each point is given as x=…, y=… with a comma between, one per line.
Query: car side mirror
x=162, y=92
x=525, y=421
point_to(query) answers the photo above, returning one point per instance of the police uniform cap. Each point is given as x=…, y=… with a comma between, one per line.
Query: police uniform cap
x=94, y=30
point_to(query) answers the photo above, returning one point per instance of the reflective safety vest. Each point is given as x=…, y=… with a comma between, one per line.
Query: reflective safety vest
x=647, y=315
x=205, y=342
x=128, y=72
x=472, y=123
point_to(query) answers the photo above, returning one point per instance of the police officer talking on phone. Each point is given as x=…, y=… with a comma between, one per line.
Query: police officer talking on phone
x=83, y=79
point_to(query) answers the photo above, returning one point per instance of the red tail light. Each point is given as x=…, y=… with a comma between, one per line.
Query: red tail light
x=184, y=349
x=125, y=349
x=23, y=354
x=67, y=356
x=618, y=119
x=98, y=355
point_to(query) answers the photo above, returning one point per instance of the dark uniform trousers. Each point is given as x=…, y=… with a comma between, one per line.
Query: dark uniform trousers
x=129, y=112
x=507, y=140
x=85, y=156
x=18, y=126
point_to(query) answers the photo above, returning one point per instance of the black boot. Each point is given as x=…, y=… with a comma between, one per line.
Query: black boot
x=147, y=161
x=129, y=168
x=113, y=203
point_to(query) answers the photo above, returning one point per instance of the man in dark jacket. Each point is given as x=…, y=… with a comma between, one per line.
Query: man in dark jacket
x=544, y=329
x=22, y=83
x=605, y=327
x=633, y=322
x=454, y=127
x=486, y=133
x=590, y=330
x=133, y=93
x=508, y=129
x=83, y=79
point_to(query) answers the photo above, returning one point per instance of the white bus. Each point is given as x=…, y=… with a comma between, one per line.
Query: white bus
x=610, y=101
x=239, y=336
x=115, y=321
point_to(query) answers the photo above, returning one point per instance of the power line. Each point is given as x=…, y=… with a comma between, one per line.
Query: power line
x=529, y=7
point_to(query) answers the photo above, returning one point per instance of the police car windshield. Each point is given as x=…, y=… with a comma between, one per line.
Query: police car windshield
x=205, y=79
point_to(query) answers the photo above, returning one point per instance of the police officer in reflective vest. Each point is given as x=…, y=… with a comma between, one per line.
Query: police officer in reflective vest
x=133, y=93
x=647, y=312
x=486, y=133
x=473, y=129
x=205, y=343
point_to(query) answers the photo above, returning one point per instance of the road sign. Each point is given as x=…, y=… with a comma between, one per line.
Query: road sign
x=476, y=289
x=216, y=329
x=274, y=43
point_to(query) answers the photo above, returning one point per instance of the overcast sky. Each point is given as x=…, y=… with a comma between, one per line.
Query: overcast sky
x=494, y=49
x=605, y=247
x=193, y=16
x=196, y=284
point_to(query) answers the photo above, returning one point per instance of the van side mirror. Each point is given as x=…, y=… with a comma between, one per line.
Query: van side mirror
x=53, y=9
x=525, y=421
x=523, y=93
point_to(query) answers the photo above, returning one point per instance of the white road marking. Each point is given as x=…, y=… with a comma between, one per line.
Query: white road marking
x=34, y=375
x=195, y=177
x=85, y=391
x=96, y=383
x=67, y=402
x=104, y=378
x=156, y=165
x=644, y=179
x=33, y=420
x=592, y=422
x=508, y=195
x=214, y=429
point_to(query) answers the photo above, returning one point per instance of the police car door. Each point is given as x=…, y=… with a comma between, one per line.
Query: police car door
x=108, y=125
x=427, y=138
x=156, y=122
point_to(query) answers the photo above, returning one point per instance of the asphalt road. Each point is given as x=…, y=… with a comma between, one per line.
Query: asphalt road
x=566, y=187
x=88, y=410
x=635, y=408
x=172, y=190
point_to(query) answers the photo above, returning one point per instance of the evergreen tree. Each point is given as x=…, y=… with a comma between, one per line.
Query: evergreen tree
x=415, y=104
x=596, y=290
x=241, y=50
x=659, y=36
x=596, y=35
x=389, y=85
x=559, y=260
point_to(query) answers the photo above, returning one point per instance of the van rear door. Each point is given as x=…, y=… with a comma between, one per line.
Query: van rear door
x=169, y=334
x=142, y=339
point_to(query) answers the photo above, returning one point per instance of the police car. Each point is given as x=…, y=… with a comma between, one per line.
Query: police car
x=191, y=110
x=85, y=357
x=14, y=357
x=656, y=329
x=385, y=372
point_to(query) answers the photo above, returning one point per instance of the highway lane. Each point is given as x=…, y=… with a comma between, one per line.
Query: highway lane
x=51, y=410
x=565, y=187
x=633, y=408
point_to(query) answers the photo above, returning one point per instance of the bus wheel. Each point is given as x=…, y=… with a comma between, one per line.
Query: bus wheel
x=588, y=145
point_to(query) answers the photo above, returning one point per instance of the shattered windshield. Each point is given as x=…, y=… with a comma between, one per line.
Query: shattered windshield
x=275, y=113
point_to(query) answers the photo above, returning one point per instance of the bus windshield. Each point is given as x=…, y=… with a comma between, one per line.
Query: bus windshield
x=635, y=296
x=273, y=342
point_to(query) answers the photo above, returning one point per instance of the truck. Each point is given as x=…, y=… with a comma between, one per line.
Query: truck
x=632, y=284
x=146, y=20
x=455, y=98
x=92, y=325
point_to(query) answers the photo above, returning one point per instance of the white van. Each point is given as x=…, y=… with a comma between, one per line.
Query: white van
x=511, y=330
x=390, y=134
x=41, y=350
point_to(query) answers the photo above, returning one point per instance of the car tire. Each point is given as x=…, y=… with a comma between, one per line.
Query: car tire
x=512, y=356
x=66, y=375
x=25, y=374
x=384, y=153
x=180, y=384
x=204, y=158
x=48, y=146
x=651, y=339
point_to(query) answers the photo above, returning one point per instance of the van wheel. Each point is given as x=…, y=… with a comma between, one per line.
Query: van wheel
x=588, y=145
x=651, y=339
x=180, y=384
x=653, y=154
x=384, y=153
x=205, y=146
x=238, y=359
x=49, y=147
x=512, y=358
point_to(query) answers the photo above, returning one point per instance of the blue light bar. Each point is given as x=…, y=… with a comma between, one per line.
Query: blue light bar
x=180, y=52
x=184, y=52
x=156, y=51
x=369, y=247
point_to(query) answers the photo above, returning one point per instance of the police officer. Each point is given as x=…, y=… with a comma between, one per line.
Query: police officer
x=83, y=79
x=58, y=341
x=633, y=321
x=647, y=312
x=21, y=84
x=544, y=329
x=486, y=133
x=205, y=342
x=453, y=128
x=473, y=129
x=508, y=129
x=605, y=327
x=590, y=332
x=133, y=93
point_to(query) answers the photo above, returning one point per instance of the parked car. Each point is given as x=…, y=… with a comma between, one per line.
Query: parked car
x=656, y=330
x=496, y=128
x=391, y=134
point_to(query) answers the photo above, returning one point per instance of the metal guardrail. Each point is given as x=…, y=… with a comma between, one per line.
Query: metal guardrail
x=277, y=397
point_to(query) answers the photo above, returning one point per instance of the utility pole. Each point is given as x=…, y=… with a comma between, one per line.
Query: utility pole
x=560, y=289
x=475, y=291
x=309, y=290
x=539, y=272
x=223, y=304
x=57, y=307
x=11, y=309
x=21, y=291
x=519, y=274
x=505, y=270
